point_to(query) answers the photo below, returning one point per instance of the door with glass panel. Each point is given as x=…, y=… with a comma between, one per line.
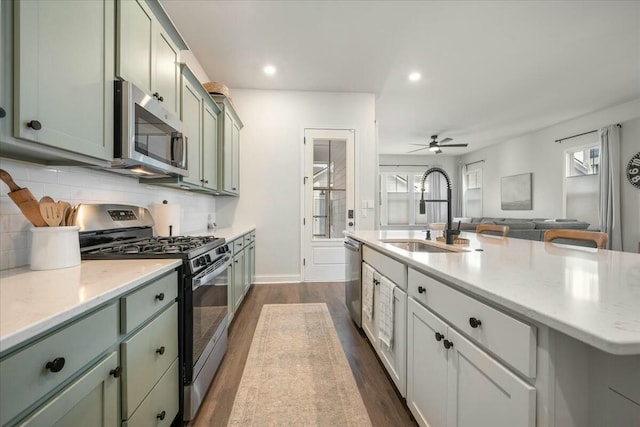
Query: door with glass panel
x=328, y=202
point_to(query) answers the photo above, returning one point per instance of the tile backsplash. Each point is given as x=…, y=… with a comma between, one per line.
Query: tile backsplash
x=82, y=185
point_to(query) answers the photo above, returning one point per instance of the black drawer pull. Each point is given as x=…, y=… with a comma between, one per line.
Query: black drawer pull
x=160, y=351
x=439, y=336
x=115, y=373
x=474, y=322
x=422, y=290
x=56, y=364
x=160, y=296
x=2, y=113
x=447, y=344
x=161, y=415
x=34, y=124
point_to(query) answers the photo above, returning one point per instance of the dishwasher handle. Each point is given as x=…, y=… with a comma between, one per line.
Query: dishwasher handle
x=349, y=244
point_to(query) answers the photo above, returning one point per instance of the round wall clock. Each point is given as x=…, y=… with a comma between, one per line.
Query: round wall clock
x=633, y=171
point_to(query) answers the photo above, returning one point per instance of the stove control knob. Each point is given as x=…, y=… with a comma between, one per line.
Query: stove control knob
x=208, y=258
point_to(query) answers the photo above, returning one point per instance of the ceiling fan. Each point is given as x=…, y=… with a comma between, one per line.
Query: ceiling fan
x=436, y=146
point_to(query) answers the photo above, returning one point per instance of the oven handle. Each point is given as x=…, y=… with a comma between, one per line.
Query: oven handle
x=198, y=281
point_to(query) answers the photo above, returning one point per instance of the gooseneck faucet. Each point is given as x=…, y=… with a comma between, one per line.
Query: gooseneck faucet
x=449, y=232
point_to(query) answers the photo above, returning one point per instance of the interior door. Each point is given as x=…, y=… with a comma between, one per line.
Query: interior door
x=328, y=202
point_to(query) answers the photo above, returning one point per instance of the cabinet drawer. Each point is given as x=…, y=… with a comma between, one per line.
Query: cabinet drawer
x=161, y=405
x=238, y=245
x=25, y=377
x=394, y=270
x=144, y=303
x=146, y=356
x=507, y=337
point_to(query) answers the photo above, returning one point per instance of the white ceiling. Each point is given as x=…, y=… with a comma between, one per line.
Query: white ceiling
x=491, y=70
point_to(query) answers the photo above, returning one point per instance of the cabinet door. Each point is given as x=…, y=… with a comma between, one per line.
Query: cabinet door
x=238, y=278
x=482, y=392
x=427, y=363
x=395, y=359
x=247, y=268
x=231, y=292
x=166, y=70
x=253, y=263
x=210, y=148
x=135, y=41
x=192, y=123
x=64, y=75
x=227, y=152
x=91, y=400
x=235, y=165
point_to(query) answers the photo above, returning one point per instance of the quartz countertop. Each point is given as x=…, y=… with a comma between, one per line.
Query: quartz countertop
x=592, y=295
x=33, y=302
x=229, y=233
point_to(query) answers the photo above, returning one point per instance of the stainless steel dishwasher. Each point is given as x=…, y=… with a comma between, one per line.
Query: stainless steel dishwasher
x=353, y=283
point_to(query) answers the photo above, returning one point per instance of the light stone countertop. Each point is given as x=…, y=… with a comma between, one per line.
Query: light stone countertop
x=229, y=233
x=592, y=295
x=33, y=302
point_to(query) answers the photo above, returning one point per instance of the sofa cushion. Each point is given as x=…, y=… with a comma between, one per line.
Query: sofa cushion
x=575, y=225
x=526, y=234
x=517, y=225
x=489, y=220
x=476, y=220
x=467, y=226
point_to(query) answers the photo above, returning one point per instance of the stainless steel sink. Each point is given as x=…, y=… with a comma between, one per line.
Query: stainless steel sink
x=416, y=246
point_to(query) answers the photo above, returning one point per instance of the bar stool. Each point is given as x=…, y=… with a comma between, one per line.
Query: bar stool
x=598, y=238
x=493, y=229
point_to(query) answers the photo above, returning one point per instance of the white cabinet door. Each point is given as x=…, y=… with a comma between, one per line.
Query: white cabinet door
x=210, y=148
x=427, y=362
x=482, y=392
x=64, y=63
x=395, y=360
x=192, y=123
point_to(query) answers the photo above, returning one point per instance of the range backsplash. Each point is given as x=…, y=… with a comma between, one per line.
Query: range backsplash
x=82, y=185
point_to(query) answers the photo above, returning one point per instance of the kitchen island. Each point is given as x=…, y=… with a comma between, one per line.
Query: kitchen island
x=555, y=328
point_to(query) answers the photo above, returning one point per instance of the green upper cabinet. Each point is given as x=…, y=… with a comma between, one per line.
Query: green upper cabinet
x=63, y=75
x=147, y=55
x=229, y=161
x=199, y=115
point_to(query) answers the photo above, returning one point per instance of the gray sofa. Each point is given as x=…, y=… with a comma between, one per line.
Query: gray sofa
x=530, y=228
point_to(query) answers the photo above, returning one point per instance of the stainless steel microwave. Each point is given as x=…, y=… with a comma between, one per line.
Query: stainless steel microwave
x=148, y=139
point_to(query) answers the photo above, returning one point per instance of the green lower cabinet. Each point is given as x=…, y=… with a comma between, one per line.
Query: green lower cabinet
x=91, y=400
x=160, y=406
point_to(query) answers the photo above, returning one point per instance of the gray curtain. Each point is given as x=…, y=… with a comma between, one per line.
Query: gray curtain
x=434, y=210
x=458, y=207
x=609, y=204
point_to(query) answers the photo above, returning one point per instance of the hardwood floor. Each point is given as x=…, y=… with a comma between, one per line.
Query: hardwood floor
x=384, y=404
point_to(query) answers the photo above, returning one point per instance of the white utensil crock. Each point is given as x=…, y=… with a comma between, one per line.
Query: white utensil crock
x=54, y=247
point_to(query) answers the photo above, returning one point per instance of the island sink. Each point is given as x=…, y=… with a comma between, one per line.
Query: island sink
x=416, y=246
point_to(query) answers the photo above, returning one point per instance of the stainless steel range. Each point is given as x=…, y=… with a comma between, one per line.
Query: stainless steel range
x=109, y=231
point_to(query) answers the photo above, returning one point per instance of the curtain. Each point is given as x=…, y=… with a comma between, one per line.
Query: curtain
x=609, y=188
x=434, y=209
x=459, y=207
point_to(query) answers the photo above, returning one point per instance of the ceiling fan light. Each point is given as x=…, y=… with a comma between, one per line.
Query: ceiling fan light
x=434, y=148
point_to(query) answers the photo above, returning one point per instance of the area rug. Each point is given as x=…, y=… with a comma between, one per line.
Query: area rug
x=297, y=373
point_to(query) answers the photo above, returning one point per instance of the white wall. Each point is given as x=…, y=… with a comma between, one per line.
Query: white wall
x=538, y=153
x=81, y=185
x=271, y=148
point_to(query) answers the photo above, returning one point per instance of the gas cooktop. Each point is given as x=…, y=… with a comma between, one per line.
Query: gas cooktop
x=181, y=245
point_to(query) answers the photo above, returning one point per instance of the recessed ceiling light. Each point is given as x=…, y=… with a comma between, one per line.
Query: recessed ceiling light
x=414, y=77
x=269, y=70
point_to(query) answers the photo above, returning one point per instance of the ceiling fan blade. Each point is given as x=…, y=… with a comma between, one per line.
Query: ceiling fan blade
x=423, y=145
x=455, y=145
x=413, y=151
x=444, y=141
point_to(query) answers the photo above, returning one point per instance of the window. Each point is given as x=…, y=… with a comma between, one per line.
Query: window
x=473, y=193
x=584, y=161
x=400, y=198
x=329, y=188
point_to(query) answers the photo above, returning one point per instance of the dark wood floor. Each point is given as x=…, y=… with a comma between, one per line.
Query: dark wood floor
x=384, y=404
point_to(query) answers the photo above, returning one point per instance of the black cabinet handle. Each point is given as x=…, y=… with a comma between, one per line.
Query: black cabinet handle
x=206, y=181
x=235, y=260
x=439, y=336
x=160, y=296
x=56, y=364
x=115, y=373
x=474, y=322
x=161, y=99
x=447, y=344
x=2, y=113
x=422, y=290
x=160, y=351
x=156, y=95
x=34, y=124
x=233, y=188
x=161, y=415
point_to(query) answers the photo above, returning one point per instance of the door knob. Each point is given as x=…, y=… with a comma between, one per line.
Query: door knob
x=350, y=223
x=34, y=124
x=56, y=364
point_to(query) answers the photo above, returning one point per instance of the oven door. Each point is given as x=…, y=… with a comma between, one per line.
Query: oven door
x=204, y=330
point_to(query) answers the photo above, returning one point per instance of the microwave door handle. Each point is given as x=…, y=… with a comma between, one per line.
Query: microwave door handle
x=177, y=149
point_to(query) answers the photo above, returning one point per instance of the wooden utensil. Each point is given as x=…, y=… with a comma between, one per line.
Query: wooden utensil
x=23, y=198
x=47, y=199
x=63, y=207
x=49, y=212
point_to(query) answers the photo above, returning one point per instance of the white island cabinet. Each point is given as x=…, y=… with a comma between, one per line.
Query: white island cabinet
x=518, y=343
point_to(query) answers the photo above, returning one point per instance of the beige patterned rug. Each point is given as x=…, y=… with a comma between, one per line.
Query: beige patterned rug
x=297, y=373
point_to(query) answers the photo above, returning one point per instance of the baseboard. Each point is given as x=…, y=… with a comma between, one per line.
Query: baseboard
x=270, y=279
